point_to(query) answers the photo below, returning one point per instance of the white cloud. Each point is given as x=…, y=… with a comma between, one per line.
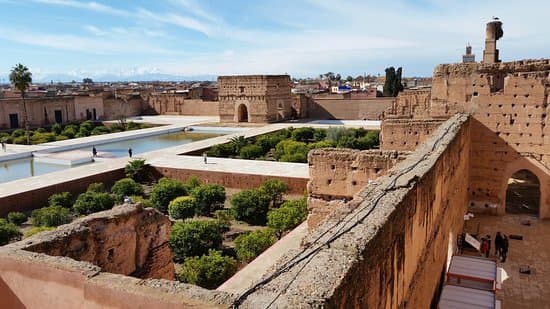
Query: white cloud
x=94, y=6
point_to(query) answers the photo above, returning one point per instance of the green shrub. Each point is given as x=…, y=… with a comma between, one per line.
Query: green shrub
x=303, y=134
x=87, y=125
x=137, y=170
x=274, y=189
x=222, y=150
x=127, y=187
x=348, y=142
x=99, y=130
x=63, y=199
x=165, y=191
x=18, y=133
x=69, y=132
x=98, y=187
x=369, y=141
x=267, y=142
x=251, y=206
x=40, y=138
x=291, y=151
x=17, y=218
x=8, y=232
x=208, y=271
x=248, y=246
x=319, y=135
x=145, y=203
x=37, y=229
x=41, y=130
x=224, y=217
x=90, y=202
x=321, y=144
x=209, y=197
x=57, y=129
x=288, y=216
x=182, y=207
x=61, y=138
x=20, y=140
x=194, y=238
x=250, y=152
x=192, y=182
x=132, y=125
x=50, y=216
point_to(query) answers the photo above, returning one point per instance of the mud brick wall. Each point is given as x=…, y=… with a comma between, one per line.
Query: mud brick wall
x=406, y=134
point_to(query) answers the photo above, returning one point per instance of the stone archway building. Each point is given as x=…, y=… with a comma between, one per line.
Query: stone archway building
x=266, y=98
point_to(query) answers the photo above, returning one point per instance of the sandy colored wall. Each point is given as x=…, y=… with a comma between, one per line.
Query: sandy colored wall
x=336, y=175
x=177, y=104
x=395, y=253
x=117, y=108
x=83, y=103
x=371, y=109
x=34, y=199
x=231, y=180
x=127, y=240
x=406, y=134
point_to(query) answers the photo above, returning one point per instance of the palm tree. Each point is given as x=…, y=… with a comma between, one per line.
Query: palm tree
x=238, y=142
x=21, y=79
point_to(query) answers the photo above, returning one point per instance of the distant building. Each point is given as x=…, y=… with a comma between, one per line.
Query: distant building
x=468, y=57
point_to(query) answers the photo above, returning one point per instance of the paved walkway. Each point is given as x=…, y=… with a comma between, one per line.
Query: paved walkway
x=236, y=166
x=522, y=290
x=254, y=271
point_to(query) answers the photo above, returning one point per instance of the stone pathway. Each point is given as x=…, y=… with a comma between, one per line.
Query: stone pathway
x=522, y=290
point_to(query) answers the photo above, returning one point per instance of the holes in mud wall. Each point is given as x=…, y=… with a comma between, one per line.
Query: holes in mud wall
x=333, y=167
x=354, y=168
x=354, y=183
x=329, y=181
x=476, y=94
x=111, y=255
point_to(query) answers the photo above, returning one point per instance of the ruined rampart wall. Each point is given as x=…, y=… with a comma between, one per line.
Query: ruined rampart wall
x=120, y=240
x=119, y=108
x=388, y=247
x=336, y=175
x=230, y=180
x=371, y=109
x=177, y=104
x=406, y=134
x=127, y=240
x=411, y=104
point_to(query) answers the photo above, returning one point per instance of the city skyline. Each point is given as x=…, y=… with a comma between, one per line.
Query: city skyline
x=79, y=39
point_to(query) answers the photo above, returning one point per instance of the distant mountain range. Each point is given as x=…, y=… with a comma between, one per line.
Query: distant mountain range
x=60, y=77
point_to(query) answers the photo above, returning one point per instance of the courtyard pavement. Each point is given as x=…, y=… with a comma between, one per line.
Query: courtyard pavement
x=521, y=290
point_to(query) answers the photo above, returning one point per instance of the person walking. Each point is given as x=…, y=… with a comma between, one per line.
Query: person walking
x=3, y=145
x=488, y=239
x=498, y=244
x=504, y=249
x=484, y=246
x=130, y=152
x=94, y=151
x=205, y=157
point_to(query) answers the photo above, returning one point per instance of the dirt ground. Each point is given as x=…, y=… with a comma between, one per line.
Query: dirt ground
x=521, y=290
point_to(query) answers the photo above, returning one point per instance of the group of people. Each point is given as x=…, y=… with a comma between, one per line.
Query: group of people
x=94, y=152
x=501, y=246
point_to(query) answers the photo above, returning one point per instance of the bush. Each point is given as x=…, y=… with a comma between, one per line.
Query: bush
x=100, y=130
x=208, y=271
x=319, y=135
x=41, y=130
x=209, y=197
x=69, y=132
x=20, y=140
x=291, y=151
x=63, y=199
x=57, y=129
x=136, y=169
x=250, y=152
x=224, y=217
x=303, y=134
x=165, y=191
x=274, y=189
x=132, y=125
x=18, y=133
x=87, y=125
x=192, y=182
x=37, y=229
x=97, y=187
x=8, y=232
x=267, y=142
x=348, y=142
x=321, y=144
x=61, y=138
x=145, y=203
x=127, y=187
x=194, y=238
x=251, y=206
x=90, y=202
x=17, y=218
x=248, y=246
x=50, y=216
x=288, y=216
x=182, y=207
x=369, y=141
x=222, y=150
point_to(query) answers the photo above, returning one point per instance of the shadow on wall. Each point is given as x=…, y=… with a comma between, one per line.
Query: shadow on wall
x=7, y=298
x=494, y=162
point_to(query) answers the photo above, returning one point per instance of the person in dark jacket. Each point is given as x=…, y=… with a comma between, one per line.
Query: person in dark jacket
x=504, y=249
x=498, y=244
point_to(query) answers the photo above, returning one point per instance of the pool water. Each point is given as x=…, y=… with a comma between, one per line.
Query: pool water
x=23, y=168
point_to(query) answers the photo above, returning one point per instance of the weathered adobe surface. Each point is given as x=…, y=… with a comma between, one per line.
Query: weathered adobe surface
x=336, y=175
x=127, y=239
x=36, y=280
x=406, y=134
x=392, y=254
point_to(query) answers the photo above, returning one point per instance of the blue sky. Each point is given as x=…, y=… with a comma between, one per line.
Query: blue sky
x=299, y=37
